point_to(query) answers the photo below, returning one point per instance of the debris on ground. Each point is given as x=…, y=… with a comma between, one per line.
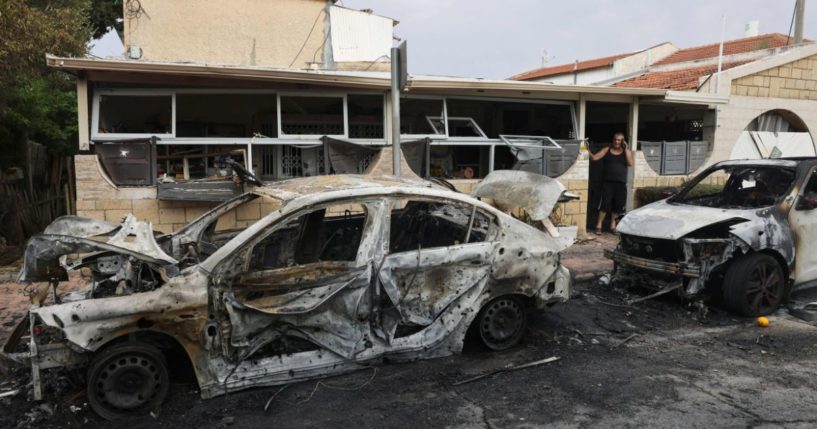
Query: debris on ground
x=509, y=369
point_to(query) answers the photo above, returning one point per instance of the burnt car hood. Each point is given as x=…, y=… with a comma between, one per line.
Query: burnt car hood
x=672, y=221
x=512, y=189
x=77, y=235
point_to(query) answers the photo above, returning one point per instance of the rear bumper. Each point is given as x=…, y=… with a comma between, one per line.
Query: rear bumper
x=681, y=269
x=557, y=288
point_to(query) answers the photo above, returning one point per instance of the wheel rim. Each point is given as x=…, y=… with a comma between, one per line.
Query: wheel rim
x=764, y=290
x=501, y=323
x=128, y=382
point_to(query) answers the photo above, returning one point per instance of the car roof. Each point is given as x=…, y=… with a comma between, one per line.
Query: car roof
x=290, y=189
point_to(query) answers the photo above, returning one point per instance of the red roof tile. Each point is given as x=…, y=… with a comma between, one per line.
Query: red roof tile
x=730, y=47
x=683, y=79
x=567, y=68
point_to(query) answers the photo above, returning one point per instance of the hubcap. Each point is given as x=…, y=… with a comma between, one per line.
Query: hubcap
x=763, y=290
x=128, y=382
x=502, y=322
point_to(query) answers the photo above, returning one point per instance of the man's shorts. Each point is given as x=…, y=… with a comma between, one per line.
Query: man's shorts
x=613, y=197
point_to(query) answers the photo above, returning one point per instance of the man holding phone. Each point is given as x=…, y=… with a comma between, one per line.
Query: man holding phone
x=617, y=160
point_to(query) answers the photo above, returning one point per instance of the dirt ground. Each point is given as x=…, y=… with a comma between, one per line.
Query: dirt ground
x=658, y=363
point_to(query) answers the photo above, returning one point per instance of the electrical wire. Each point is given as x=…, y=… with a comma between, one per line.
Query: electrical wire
x=307, y=38
x=791, y=25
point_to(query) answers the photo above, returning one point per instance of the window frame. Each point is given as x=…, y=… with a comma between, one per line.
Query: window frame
x=394, y=200
x=96, y=135
x=341, y=95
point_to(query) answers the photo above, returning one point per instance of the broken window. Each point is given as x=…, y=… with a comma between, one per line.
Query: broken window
x=226, y=115
x=135, y=114
x=315, y=116
x=328, y=234
x=424, y=224
x=365, y=116
x=459, y=161
x=493, y=118
x=417, y=116
x=186, y=162
x=738, y=187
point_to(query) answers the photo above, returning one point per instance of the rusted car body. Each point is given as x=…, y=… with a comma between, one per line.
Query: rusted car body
x=744, y=229
x=342, y=272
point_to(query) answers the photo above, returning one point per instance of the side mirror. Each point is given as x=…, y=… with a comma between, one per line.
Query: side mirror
x=806, y=202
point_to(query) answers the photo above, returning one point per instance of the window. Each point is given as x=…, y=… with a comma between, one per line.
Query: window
x=315, y=116
x=135, y=114
x=420, y=224
x=330, y=234
x=226, y=115
x=417, y=116
x=495, y=118
x=185, y=162
x=740, y=187
x=365, y=116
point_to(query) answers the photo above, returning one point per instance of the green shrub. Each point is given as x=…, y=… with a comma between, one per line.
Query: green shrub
x=651, y=194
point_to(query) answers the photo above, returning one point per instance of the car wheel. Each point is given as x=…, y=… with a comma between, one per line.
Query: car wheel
x=754, y=285
x=127, y=379
x=501, y=323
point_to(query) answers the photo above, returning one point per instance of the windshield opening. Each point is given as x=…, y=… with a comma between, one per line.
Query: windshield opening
x=738, y=187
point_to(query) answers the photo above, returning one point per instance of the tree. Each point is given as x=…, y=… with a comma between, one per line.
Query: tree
x=106, y=14
x=37, y=103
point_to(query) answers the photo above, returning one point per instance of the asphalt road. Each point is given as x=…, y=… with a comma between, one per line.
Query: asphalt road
x=660, y=363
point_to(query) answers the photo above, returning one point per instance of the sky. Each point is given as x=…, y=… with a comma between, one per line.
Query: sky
x=498, y=39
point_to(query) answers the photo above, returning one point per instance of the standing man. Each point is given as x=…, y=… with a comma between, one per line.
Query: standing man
x=617, y=160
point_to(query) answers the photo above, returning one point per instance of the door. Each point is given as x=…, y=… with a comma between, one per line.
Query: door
x=803, y=222
x=438, y=251
x=306, y=279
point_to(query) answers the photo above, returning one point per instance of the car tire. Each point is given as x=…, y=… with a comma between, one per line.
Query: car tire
x=754, y=285
x=127, y=379
x=502, y=322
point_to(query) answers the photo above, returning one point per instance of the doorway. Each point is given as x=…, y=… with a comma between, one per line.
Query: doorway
x=603, y=120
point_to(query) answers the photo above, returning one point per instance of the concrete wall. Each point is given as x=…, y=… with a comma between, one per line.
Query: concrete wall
x=234, y=32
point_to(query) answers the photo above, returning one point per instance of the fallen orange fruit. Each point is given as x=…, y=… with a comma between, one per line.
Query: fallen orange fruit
x=762, y=321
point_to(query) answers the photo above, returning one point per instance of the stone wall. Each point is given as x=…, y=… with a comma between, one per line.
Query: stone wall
x=99, y=198
x=795, y=80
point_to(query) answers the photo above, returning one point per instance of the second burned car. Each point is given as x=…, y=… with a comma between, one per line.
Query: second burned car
x=342, y=272
x=745, y=230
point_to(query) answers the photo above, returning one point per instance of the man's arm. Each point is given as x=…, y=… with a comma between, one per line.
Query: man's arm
x=600, y=154
x=629, y=154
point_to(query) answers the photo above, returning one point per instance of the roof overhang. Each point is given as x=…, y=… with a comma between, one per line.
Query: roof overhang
x=421, y=84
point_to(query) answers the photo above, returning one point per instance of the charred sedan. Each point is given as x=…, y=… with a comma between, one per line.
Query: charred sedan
x=744, y=229
x=338, y=273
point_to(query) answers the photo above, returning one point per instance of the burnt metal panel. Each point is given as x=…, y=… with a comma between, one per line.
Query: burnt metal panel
x=674, y=158
x=652, y=154
x=211, y=190
x=130, y=163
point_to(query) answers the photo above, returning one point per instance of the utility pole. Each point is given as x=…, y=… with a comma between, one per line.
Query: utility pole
x=399, y=79
x=799, y=13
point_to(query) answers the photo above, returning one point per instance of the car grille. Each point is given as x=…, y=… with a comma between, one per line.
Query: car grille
x=651, y=248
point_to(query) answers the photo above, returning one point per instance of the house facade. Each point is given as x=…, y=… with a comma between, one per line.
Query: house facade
x=183, y=103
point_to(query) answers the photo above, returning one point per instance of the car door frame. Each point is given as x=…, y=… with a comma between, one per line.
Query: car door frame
x=429, y=259
x=803, y=224
x=243, y=254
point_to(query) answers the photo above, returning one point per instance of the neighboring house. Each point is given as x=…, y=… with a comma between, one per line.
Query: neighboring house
x=599, y=70
x=763, y=102
x=300, y=87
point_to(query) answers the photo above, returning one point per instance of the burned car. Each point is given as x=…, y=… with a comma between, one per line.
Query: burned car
x=744, y=230
x=341, y=272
